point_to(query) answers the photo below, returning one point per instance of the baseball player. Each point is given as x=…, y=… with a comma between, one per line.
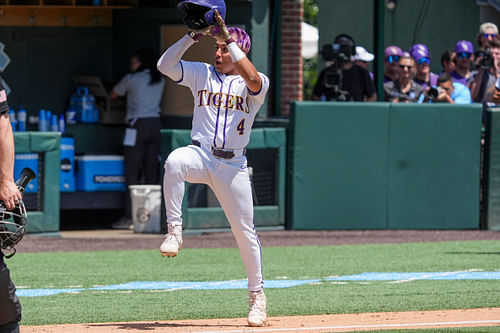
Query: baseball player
x=227, y=98
x=10, y=308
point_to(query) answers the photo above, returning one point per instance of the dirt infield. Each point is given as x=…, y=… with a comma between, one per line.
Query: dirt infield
x=325, y=323
x=127, y=240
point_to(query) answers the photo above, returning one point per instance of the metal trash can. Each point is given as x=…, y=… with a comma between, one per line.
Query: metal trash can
x=146, y=205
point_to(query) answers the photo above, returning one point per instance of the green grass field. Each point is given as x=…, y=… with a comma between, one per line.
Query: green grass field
x=88, y=269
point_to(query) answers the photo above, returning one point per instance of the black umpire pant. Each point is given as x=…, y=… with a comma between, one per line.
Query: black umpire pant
x=142, y=161
x=10, y=308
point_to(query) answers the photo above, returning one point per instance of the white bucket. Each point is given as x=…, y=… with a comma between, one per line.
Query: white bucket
x=146, y=205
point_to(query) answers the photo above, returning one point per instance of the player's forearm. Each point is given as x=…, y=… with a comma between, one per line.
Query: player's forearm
x=249, y=73
x=244, y=66
x=6, y=149
x=169, y=64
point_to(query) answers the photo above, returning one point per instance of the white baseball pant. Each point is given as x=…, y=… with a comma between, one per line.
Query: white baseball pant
x=230, y=181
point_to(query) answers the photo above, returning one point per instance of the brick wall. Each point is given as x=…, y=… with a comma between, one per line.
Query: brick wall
x=291, y=58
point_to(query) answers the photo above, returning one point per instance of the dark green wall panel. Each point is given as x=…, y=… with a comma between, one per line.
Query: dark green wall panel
x=380, y=165
x=434, y=166
x=339, y=165
x=413, y=21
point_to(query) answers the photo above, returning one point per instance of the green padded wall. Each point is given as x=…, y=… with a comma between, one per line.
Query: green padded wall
x=434, y=164
x=48, y=144
x=213, y=217
x=338, y=164
x=493, y=193
x=381, y=165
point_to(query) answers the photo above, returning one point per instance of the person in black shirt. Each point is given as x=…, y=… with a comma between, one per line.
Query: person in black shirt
x=10, y=308
x=344, y=80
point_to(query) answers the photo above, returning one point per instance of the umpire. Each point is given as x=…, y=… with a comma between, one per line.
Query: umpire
x=10, y=308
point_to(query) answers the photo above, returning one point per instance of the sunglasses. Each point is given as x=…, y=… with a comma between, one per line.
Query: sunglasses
x=464, y=55
x=405, y=66
x=490, y=35
x=392, y=59
x=424, y=60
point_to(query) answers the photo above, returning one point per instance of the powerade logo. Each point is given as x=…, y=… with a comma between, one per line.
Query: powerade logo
x=109, y=179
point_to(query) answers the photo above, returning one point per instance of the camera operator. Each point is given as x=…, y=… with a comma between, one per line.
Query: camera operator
x=448, y=91
x=343, y=80
x=403, y=89
x=489, y=67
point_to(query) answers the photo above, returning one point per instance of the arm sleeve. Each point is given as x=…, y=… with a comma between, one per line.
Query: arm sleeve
x=122, y=86
x=169, y=63
x=260, y=95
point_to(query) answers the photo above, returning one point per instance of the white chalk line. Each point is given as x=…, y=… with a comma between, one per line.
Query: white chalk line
x=437, y=274
x=471, y=322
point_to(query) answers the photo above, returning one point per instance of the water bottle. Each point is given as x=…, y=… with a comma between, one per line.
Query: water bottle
x=43, y=123
x=54, y=126
x=71, y=116
x=13, y=121
x=21, y=119
x=62, y=124
x=48, y=116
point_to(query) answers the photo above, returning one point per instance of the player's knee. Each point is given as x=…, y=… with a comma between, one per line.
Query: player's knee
x=173, y=164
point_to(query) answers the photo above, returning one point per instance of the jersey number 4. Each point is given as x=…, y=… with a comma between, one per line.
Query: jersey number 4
x=241, y=127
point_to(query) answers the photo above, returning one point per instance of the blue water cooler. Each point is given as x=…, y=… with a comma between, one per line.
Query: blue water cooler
x=29, y=160
x=67, y=173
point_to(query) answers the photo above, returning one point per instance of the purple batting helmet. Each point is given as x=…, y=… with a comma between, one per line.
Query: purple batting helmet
x=199, y=14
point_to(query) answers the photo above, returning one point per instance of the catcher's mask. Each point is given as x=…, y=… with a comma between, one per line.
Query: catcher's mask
x=12, y=227
x=199, y=14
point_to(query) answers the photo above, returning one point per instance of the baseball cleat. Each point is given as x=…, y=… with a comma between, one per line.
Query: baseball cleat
x=257, y=314
x=173, y=241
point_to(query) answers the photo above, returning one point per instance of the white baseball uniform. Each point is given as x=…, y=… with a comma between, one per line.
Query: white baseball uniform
x=224, y=111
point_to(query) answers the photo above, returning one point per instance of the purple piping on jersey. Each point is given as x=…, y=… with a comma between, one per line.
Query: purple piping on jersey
x=182, y=76
x=217, y=74
x=218, y=109
x=225, y=117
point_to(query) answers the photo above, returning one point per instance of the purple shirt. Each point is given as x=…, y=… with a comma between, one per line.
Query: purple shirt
x=433, y=81
x=458, y=78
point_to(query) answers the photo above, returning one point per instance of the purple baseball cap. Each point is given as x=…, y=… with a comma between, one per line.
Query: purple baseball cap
x=464, y=46
x=419, y=51
x=393, y=50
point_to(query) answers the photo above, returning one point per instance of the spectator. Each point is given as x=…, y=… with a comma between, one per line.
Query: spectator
x=465, y=56
x=448, y=91
x=404, y=89
x=391, y=63
x=448, y=60
x=487, y=32
x=423, y=75
x=363, y=58
x=485, y=77
x=344, y=80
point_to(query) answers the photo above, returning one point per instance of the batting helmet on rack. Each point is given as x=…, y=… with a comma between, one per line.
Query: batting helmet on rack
x=12, y=226
x=199, y=14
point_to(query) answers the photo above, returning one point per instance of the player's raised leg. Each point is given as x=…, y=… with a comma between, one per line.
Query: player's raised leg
x=183, y=164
